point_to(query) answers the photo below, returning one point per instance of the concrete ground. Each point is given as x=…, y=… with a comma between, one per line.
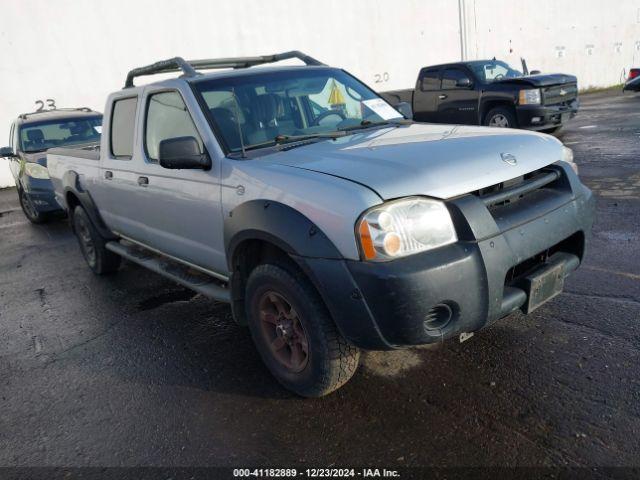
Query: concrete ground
x=134, y=370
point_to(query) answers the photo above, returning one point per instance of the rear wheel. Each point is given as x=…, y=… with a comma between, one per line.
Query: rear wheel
x=294, y=333
x=30, y=211
x=501, y=117
x=92, y=245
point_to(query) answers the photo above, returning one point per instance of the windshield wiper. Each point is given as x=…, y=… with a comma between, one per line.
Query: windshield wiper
x=370, y=124
x=282, y=139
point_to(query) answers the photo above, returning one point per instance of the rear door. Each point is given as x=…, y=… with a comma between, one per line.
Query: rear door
x=458, y=98
x=425, y=96
x=116, y=190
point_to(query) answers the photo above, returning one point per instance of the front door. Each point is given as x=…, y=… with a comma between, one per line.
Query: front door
x=457, y=99
x=180, y=209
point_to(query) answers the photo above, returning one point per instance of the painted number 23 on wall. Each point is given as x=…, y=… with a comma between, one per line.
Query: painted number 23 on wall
x=381, y=77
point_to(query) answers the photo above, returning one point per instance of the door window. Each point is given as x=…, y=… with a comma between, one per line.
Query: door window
x=167, y=117
x=123, y=118
x=450, y=78
x=430, y=81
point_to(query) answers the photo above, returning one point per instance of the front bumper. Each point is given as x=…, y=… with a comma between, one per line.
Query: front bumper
x=388, y=305
x=41, y=193
x=632, y=85
x=543, y=117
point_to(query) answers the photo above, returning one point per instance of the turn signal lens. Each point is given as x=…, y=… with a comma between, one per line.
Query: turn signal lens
x=366, y=242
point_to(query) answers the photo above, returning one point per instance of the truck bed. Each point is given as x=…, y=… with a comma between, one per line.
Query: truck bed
x=83, y=161
x=90, y=151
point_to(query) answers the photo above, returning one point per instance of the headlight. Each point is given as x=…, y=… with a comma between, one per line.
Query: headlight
x=35, y=170
x=404, y=227
x=530, y=97
x=567, y=156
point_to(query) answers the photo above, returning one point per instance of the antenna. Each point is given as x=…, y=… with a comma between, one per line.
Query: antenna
x=237, y=109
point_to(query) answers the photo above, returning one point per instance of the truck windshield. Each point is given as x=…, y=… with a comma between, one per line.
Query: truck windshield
x=492, y=70
x=39, y=136
x=289, y=104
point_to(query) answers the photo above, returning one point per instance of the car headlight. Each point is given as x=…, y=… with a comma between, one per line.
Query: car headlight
x=567, y=156
x=530, y=96
x=35, y=170
x=404, y=227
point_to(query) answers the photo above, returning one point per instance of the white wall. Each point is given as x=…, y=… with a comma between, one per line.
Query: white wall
x=77, y=51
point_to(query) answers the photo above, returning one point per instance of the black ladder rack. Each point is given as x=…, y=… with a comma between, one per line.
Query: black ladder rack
x=188, y=67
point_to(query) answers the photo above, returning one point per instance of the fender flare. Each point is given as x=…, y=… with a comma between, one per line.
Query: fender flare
x=278, y=224
x=71, y=184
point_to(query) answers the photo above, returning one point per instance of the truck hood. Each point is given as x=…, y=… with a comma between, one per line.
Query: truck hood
x=440, y=161
x=540, y=80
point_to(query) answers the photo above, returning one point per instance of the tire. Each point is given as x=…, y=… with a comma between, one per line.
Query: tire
x=329, y=361
x=500, y=117
x=92, y=245
x=29, y=209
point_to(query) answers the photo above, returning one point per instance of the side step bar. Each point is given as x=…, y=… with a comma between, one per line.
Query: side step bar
x=198, y=282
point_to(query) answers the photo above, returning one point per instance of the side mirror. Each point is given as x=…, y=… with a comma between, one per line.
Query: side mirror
x=405, y=109
x=535, y=72
x=464, y=83
x=182, y=153
x=7, y=152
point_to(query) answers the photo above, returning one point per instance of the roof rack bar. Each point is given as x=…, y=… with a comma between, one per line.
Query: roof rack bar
x=189, y=67
x=164, y=66
x=63, y=109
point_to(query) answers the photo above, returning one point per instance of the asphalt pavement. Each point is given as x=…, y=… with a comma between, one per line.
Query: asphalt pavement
x=132, y=369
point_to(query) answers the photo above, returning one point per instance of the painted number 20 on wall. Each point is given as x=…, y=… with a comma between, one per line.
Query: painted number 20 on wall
x=381, y=77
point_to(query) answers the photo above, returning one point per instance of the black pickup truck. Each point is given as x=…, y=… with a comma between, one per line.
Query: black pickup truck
x=490, y=92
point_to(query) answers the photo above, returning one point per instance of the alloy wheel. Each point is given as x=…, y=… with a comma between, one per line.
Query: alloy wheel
x=27, y=206
x=86, y=241
x=499, y=120
x=283, y=332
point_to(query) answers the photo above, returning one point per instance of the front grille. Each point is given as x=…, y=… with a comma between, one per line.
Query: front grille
x=560, y=94
x=518, y=188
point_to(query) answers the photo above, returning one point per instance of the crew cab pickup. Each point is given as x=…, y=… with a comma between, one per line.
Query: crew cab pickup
x=328, y=221
x=490, y=92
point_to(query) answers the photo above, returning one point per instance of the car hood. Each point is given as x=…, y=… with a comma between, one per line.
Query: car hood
x=546, y=80
x=440, y=161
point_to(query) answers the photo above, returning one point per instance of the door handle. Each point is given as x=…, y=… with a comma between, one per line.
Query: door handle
x=143, y=181
x=442, y=96
x=108, y=175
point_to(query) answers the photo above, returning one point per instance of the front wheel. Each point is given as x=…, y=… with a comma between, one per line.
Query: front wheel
x=29, y=209
x=294, y=333
x=501, y=117
x=100, y=260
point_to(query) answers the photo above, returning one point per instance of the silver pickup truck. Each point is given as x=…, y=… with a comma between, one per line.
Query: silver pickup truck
x=329, y=221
